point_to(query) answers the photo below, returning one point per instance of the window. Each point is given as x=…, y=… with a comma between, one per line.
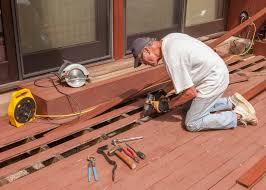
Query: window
x=204, y=17
x=154, y=18
x=53, y=31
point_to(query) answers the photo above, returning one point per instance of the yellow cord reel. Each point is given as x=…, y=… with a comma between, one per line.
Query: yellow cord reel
x=22, y=107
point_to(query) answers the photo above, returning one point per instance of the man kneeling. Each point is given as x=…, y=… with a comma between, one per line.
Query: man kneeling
x=198, y=75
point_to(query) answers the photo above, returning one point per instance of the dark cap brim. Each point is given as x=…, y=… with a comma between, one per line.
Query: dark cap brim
x=137, y=62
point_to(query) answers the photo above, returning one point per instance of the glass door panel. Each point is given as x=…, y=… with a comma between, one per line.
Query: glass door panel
x=204, y=17
x=54, y=31
x=154, y=18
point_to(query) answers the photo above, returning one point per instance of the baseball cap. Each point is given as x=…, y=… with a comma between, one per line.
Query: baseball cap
x=137, y=47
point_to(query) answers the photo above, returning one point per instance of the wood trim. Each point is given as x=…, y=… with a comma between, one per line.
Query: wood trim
x=254, y=91
x=254, y=174
x=9, y=37
x=119, y=28
x=237, y=29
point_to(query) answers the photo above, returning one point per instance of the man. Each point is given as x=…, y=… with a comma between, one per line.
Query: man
x=198, y=75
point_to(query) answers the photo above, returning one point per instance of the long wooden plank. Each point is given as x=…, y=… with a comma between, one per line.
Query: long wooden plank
x=235, y=78
x=255, y=90
x=254, y=174
x=255, y=67
x=244, y=63
x=124, y=87
x=236, y=30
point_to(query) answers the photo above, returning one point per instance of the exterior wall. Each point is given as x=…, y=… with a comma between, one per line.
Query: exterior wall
x=237, y=6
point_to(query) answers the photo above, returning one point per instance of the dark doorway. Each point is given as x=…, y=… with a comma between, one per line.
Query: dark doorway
x=8, y=59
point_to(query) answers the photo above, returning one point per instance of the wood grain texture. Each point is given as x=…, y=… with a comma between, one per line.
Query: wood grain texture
x=254, y=174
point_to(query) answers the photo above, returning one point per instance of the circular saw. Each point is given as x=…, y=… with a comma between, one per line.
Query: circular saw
x=75, y=75
x=22, y=107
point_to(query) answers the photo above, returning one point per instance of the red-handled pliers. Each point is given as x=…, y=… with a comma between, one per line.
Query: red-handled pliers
x=130, y=153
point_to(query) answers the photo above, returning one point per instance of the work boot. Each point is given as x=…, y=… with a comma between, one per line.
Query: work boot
x=245, y=117
x=239, y=101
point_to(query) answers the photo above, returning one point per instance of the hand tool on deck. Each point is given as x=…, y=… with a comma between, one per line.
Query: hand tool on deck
x=101, y=150
x=92, y=168
x=131, y=154
x=117, y=150
x=140, y=154
x=116, y=141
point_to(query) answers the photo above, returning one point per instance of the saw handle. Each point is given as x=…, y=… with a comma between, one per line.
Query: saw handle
x=131, y=164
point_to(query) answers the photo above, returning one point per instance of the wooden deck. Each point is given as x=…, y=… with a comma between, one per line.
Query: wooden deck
x=41, y=157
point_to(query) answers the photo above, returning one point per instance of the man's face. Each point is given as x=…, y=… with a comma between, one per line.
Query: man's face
x=151, y=55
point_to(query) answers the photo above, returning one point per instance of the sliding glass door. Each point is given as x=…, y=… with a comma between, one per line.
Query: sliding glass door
x=154, y=18
x=205, y=17
x=54, y=31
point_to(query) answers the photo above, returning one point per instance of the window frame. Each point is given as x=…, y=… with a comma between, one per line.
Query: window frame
x=99, y=49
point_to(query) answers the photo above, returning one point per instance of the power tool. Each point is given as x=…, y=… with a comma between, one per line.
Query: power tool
x=75, y=75
x=156, y=102
x=22, y=107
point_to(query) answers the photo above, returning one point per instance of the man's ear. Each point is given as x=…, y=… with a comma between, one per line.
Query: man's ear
x=146, y=50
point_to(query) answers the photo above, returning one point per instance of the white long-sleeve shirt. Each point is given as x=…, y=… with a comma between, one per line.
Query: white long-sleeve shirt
x=190, y=62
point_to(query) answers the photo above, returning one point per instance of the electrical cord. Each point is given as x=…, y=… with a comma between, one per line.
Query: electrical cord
x=69, y=98
x=250, y=45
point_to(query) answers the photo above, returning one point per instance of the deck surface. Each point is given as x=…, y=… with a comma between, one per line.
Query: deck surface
x=175, y=158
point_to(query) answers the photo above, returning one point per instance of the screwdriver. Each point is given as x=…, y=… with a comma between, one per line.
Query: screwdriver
x=140, y=154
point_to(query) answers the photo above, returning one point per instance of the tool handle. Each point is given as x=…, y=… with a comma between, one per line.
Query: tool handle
x=127, y=153
x=131, y=164
x=131, y=152
x=89, y=174
x=95, y=173
x=141, y=155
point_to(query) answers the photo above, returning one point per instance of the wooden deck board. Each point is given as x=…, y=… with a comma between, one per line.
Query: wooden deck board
x=177, y=147
x=247, y=62
x=67, y=145
x=175, y=157
x=211, y=160
x=67, y=130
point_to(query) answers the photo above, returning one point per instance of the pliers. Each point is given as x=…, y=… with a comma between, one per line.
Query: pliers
x=92, y=167
x=130, y=153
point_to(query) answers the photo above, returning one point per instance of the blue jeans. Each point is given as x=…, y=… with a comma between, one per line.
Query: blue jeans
x=200, y=117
